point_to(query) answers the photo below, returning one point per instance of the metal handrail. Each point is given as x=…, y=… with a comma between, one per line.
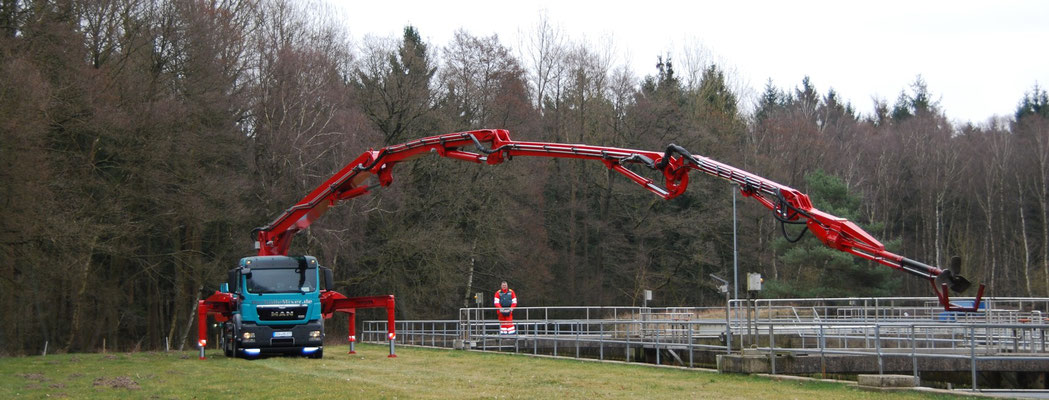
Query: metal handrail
x=881, y=327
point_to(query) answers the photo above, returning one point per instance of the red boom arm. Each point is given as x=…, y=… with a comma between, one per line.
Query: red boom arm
x=495, y=146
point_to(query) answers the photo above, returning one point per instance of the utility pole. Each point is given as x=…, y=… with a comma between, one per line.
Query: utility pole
x=735, y=250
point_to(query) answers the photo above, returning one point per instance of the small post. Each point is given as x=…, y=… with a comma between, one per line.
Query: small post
x=557, y=336
x=601, y=340
x=772, y=346
x=578, y=328
x=914, y=358
x=103, y=345
x=167, y=344
x=535, y=338
x=628, y=345
x=657, y=334
x=393, y=338
x=45, y=349
x=744, y=337
x=877, y=347
x=690, y=350
x=728, y=326
x=201, y=351
x=972, y=354
x=823, y=358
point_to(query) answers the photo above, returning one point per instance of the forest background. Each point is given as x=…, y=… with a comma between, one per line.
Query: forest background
x=144, y=139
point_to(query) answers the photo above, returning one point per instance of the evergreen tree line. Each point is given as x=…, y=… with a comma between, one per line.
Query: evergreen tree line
x=144, y=139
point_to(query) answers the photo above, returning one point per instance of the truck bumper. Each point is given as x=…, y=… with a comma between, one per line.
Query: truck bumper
x=281, y=339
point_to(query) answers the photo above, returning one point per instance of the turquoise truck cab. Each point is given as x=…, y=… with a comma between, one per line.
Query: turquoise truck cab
x=276, y=307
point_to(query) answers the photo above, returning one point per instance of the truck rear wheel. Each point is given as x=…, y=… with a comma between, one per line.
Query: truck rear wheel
x=317, y=354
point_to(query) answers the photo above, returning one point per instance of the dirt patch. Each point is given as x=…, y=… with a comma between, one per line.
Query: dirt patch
x=111, y=357
x=74, y=359
x=120, y=382
x=33, y=377
x=76, y=375
x=56, y=386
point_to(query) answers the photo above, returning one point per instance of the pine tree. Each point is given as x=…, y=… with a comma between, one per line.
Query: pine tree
x=398, y=96
x=1034, y=103
x=771, y=99
x=918, y=102
x=717, y=106
x=819, y=271
x=807, y=98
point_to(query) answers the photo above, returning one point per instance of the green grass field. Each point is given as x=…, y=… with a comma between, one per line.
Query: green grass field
x=416, y=373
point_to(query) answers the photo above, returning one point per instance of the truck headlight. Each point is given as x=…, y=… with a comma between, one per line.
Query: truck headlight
x=248, y=335
x=315, y=334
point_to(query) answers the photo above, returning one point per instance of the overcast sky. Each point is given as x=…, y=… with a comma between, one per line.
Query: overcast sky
x=977, y=57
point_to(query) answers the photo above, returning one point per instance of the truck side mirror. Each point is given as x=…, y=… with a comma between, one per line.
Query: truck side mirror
x=329, y=278
x=224, y=287
x=231, y=280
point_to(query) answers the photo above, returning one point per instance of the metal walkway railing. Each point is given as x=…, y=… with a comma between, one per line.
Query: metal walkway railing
x=884, y=328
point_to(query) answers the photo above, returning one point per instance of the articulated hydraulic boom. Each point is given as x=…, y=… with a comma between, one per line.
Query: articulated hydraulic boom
x=495, y=146
x=282, y=319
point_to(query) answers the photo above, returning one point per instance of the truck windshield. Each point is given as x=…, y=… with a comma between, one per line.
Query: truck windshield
x=282, y=281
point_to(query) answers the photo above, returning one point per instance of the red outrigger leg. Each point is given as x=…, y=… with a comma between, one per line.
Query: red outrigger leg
x=202, y=327
x=352, y=313
x=332, y=301
x=218, y=304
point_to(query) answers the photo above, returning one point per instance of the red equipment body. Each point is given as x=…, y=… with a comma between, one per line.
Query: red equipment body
x=495, y=146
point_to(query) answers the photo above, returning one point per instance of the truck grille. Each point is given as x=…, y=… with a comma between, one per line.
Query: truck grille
x=281, y=312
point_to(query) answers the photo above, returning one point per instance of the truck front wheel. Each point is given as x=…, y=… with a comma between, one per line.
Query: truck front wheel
x=229, y=339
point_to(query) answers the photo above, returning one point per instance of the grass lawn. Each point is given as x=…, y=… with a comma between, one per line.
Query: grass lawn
x=416, y=373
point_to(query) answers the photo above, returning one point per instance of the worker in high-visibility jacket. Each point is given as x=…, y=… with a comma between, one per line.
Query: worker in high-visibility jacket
x=505, y=301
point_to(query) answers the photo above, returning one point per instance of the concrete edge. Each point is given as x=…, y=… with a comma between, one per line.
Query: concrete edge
x=803, y=379
x=856, y=385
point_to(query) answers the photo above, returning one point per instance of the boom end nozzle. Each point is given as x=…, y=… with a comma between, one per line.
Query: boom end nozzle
x=953, y=278
x=956, y=283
